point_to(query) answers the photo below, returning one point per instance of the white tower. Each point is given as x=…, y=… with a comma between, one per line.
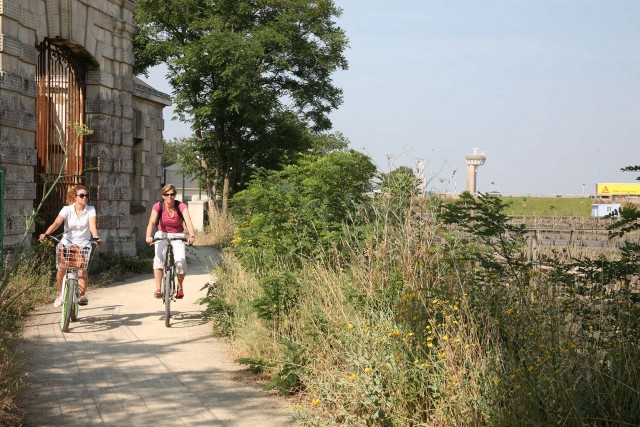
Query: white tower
x=473, y=161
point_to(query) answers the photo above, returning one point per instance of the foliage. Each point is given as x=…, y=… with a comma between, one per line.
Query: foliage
x=400, y=181
x=484, y=219
x=299, y=212
x=398, y=187
x=172, y=150
x=280, y=295
x=253, y=78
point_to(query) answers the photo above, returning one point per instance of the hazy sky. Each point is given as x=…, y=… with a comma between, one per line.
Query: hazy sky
x=549, y=90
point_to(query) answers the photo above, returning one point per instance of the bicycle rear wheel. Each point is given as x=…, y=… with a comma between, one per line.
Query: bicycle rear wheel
x=168, y=279
x=67, y=304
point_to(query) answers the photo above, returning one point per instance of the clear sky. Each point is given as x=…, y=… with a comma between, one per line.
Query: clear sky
x=549, y=90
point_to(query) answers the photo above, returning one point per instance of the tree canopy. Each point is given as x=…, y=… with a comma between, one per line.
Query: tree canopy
x=252, y=77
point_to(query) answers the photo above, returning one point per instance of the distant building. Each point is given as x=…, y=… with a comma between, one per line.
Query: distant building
x=603, y=209
x=188, y=188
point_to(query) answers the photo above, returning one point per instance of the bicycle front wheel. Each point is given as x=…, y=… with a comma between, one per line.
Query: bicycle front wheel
x=67, y=304
x=168, y=279
x=74, y=303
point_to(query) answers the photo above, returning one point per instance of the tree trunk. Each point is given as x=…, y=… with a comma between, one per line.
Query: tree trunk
x=228, y=174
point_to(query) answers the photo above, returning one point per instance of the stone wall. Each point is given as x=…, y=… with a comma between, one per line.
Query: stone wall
x=126, y=118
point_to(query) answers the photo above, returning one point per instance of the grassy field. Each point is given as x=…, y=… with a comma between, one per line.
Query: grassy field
x=548, y=206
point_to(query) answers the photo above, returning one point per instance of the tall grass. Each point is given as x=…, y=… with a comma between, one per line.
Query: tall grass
x=397, y=330
x=28, y=285
x=219, y=232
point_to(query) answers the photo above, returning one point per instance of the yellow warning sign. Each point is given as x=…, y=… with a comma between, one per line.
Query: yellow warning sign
x=618, y=189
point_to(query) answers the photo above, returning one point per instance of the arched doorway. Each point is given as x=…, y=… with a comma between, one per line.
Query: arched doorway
x=60, y=76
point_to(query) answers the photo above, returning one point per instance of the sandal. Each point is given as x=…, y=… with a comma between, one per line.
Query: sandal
x=157, y=293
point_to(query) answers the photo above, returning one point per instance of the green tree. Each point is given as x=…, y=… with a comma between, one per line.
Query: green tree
x=172, y=149
x=400, y=181
x=252, y=78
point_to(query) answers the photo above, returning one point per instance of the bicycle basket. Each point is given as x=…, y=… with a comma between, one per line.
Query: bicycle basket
x=73, y=256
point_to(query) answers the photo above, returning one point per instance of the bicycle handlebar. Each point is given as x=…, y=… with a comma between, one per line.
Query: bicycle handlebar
x=169, y=239
x=93, y=240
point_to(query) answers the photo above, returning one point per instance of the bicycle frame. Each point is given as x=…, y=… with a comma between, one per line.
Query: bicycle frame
x=71, y=258
x=169, y=276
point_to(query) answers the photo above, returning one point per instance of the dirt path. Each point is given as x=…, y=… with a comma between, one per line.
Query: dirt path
x=120, y=366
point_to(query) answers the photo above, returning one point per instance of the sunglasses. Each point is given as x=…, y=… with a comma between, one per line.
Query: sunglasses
x=83, y=195
x=170, y=194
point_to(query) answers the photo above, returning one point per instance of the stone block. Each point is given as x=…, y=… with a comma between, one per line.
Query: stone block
x=16, y=83
x=20, y=190
x=127, y=111
x=15, y=223
x=17, y=154
x=99, y=106
x=28, y=18
x=11, y=9
x=127, y=139
x=142, y=169
x=17, y=119
x=10, y=45
x=123, y=166
x=113, y=193
x=29, y=54
x=140, y=195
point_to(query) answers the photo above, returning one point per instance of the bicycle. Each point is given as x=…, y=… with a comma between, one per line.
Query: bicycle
x=169, y=288
x=72, y=258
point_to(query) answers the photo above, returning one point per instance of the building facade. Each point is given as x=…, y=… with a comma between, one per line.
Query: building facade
x=65, y=63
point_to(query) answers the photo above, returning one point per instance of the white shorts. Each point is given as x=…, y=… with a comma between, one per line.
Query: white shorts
x=178, y=252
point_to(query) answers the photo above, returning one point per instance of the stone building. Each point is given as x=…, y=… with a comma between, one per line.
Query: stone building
x=70, y=62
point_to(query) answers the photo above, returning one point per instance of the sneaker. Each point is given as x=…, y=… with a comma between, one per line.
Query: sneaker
x=83, y=300
x=180, y=294
x=57, y=303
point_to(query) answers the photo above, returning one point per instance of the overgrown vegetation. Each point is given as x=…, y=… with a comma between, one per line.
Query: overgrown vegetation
x=403, y=311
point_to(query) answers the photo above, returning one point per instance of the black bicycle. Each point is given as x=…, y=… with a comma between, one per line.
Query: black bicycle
x=72, y=258
x=169, y=288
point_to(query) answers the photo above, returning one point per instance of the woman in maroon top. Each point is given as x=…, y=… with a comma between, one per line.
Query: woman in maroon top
x=170, y=224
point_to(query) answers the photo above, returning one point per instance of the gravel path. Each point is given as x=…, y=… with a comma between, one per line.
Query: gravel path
x=120, y=366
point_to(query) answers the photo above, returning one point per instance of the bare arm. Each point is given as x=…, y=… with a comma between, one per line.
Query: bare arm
x=93, y=226
x=152, y=222
x=53, y=227
x=187, y=220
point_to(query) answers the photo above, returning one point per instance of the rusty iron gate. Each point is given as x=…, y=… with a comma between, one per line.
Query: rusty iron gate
x=60, y=77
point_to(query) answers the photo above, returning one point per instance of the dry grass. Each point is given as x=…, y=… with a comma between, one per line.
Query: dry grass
x=29, y=285
x=219, y=232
